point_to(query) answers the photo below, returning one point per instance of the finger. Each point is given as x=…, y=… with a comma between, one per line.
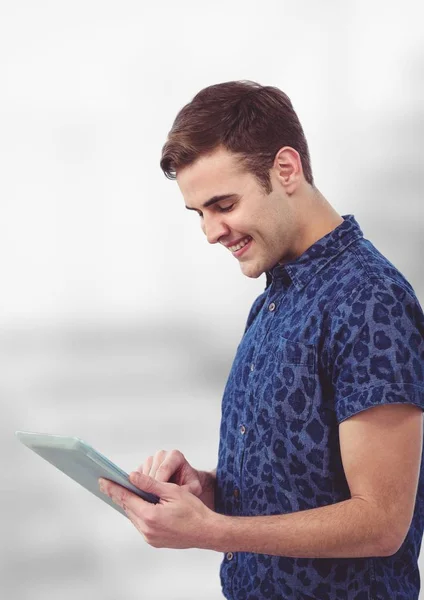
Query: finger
x=106, y=486
x=151, y=486
x=157, y=461
x=134, y=507
x=118, y=494
x=146, y=466
x=170, y=465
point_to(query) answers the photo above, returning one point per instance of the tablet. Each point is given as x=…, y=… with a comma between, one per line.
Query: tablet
x=81, y=462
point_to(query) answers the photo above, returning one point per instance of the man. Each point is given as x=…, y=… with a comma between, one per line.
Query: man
x=318, y=492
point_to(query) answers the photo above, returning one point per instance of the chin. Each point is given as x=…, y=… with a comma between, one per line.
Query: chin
x=251, y=271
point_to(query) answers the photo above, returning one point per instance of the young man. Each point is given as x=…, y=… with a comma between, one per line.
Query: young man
x=319, y=491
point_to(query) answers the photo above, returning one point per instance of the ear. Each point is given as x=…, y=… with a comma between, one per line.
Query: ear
x=288, y=169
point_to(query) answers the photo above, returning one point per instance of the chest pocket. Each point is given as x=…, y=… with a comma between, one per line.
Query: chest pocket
x=286, y=381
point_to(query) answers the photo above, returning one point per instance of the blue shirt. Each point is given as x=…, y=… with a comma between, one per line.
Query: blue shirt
x=337, y=331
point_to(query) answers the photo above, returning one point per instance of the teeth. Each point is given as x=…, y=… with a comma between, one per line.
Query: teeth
x=239, y=245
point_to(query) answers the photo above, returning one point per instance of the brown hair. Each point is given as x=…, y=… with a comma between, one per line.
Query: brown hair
x=245, y=118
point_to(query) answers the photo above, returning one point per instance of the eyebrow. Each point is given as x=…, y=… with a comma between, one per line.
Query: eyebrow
x=215, y=199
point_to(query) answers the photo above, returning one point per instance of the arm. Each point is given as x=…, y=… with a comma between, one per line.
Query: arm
x=381, y=453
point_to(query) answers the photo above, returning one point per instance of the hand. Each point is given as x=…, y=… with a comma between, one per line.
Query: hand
x=179, y=520
x=173, y=467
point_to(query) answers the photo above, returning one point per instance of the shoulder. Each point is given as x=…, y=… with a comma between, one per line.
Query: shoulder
x=375, y=320
x=367, y=277
x=378, y=311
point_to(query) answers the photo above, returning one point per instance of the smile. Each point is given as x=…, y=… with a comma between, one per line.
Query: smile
x=240, y=245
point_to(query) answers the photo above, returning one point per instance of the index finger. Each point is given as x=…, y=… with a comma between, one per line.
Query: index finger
x=170, y=465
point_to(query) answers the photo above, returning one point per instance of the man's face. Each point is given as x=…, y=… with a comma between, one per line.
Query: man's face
x=257, y=228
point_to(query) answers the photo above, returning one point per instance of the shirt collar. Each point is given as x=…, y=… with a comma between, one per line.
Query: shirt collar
x=317, y=256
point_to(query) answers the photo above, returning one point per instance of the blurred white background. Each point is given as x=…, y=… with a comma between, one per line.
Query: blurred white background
x=118, y=321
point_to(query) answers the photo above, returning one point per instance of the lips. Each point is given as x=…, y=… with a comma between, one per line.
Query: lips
x=239, y=244
x=242, y=251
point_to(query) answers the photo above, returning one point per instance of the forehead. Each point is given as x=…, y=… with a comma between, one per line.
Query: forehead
x=216, y=174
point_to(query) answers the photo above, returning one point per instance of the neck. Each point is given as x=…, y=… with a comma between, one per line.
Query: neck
x=316, y=218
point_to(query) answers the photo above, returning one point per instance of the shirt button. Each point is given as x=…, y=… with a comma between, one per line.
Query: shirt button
x=252, y=367
x=236, y=493
x=230, y=556
x=271, y=307
x=242, y=429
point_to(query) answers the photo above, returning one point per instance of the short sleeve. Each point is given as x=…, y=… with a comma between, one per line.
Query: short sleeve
x=375, y=349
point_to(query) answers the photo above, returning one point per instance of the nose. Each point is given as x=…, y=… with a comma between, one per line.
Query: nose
x=214, y=227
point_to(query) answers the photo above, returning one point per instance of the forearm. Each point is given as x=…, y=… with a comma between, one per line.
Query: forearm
x=348, y=529
x=208, y=481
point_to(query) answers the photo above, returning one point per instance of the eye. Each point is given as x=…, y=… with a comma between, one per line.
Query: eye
x=224, y=209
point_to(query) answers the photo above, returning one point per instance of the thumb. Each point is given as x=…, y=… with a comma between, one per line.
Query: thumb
x=148, y=484
x=194, y=487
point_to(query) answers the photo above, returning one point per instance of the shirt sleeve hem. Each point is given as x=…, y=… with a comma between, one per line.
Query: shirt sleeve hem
x=394, y=393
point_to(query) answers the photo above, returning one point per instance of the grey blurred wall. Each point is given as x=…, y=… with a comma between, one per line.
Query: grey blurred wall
x=118, y=322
